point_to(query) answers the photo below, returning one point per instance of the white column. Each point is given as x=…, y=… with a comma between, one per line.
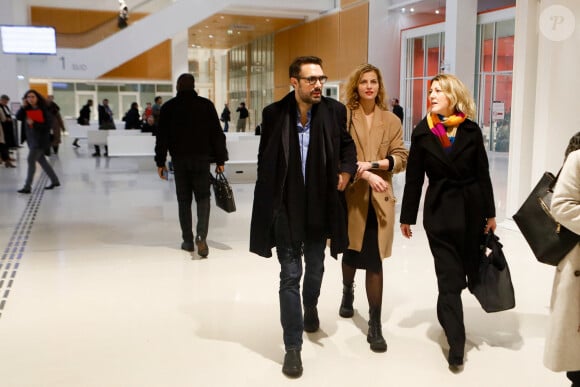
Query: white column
x=545, y=92
x=523, y=102
x=14, y=71
x=460, y=39
x=179, y=61
x=384, y=43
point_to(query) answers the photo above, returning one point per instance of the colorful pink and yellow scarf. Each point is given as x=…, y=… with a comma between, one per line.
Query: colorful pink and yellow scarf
x=438, y=126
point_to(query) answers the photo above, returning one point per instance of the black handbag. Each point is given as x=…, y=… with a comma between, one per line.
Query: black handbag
x=549, y=240
x=224, y=195
x=494, y=289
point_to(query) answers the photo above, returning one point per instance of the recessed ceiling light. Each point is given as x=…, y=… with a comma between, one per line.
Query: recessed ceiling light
x=437, y=11
x=210, y=36
x=403, y=10
x=412, y=9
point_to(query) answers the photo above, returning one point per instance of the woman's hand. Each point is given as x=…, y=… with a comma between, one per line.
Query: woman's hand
x=376, y=182
x=406, y=230
x=490, y=225
x=363, y=166
x=29, y=122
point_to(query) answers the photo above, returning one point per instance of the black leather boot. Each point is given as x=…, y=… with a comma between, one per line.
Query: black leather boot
x=346, y=308
x=292, y=366
x=311, y=321
x=375, y=334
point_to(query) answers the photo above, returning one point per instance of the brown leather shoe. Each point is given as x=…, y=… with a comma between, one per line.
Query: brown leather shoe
x=202, y=248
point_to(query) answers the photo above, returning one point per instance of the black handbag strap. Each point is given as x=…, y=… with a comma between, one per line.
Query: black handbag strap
x=553, y=184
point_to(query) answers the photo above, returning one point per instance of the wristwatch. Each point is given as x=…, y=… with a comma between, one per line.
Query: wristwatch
x=375, y=164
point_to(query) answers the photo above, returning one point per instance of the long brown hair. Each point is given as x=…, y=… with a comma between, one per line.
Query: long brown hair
x=351, y=89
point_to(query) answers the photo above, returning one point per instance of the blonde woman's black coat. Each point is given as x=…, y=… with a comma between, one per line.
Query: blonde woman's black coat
x=458, y=201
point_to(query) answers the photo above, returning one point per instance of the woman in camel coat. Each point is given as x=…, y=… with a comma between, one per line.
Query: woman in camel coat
x=562, y=352
x=378, y=137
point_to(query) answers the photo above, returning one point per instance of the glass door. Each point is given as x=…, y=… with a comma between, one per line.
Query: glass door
x=494, y=114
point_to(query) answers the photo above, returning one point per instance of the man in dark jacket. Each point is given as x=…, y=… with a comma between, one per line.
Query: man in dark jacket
x=305, y=160
x=190, y=130
x=106, y=122
x=84, y=118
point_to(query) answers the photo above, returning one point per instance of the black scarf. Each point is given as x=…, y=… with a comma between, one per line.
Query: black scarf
x=307, y=204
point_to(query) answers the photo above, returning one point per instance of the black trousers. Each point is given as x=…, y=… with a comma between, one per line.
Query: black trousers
x=192, y=179
x=452, y=269
x=574, y=377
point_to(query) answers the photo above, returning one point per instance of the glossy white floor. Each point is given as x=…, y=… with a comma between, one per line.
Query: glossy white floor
x=96, y=292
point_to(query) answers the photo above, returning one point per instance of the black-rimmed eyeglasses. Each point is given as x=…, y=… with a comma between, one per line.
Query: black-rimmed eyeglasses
x=312, y=80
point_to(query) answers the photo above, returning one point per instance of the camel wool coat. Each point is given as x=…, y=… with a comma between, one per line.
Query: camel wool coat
x=384, y=138
x=562, y=351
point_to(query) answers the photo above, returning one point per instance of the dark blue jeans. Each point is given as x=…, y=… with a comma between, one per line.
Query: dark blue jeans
x=290, y=258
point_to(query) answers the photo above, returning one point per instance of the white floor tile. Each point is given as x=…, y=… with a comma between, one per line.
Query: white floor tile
x=103, y=296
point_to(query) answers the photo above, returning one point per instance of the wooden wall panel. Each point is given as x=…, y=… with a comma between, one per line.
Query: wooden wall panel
x=347, y=3
x=353, y=50
x=69, y=21
x=42, y=88
x=340, y=39
x=153, y=64
x=328, y=44
x=281, y=59
x=304, y=40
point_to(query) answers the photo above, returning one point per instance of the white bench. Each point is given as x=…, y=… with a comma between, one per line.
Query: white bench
x=243, y=157
x=77, y=131
x=97, y=137
x=131, y=145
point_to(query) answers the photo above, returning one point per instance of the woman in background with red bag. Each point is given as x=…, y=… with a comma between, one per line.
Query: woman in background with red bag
x=36, y=121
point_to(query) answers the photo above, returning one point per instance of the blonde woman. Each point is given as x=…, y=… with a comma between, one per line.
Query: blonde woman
x=378, y=137
x=459, y=206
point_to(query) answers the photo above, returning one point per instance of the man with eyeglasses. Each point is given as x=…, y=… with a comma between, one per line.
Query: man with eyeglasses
x=305, y=160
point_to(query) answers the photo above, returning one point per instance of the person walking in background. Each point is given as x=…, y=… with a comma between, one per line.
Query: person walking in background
x=225, y=117
x=106, y=122
x=123, y=18
x=156, y=109
x=132, y=118
x=147, y=112
x=5, y=126
x=305, y=160
x=189, y=128
x=459, y=205
x=398, y=109
x=149, y=126
x=8, y=124
x=57, y=126
x=243, y=115
x=84, y=118
x=37, y=123
x=562, y=351
x=381, y=152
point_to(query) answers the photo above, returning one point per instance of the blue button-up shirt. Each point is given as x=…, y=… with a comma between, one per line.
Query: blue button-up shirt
x=304, y=140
